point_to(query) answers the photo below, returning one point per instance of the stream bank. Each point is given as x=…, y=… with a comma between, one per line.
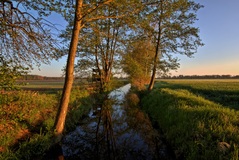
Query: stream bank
x=115, y=131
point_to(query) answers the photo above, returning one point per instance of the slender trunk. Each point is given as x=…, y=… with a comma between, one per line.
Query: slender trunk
x=99, y=69
x=156, y=58
x=69, y=77
x=152, y=80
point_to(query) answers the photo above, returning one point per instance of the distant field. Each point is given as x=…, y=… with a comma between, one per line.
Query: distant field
x=43, y=83
x=49, y=86
x=52, y=86
x=222, y=91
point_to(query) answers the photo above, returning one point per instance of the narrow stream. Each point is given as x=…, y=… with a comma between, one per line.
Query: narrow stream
x=113, y=131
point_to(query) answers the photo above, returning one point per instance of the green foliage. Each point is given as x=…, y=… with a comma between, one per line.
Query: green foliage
x=173, y=21
x=34, y=147
x=132, y=99
x=102, y=37
x=193, y=125
x=137, y=63
x=9, y=73
x=169, y=26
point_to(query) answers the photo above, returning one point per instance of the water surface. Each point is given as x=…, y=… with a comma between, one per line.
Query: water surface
x=114, y=130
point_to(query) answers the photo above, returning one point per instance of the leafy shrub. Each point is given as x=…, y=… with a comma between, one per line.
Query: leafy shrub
x=132, y=99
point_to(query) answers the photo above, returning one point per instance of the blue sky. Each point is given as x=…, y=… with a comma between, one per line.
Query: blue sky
x=219, y=30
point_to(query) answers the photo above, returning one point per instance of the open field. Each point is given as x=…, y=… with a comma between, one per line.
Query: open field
x=43, y=86
x=53, y=86
x=222, y=91
x=199, y=118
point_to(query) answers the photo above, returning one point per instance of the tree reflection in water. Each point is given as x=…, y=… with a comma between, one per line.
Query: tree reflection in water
x=113, y=132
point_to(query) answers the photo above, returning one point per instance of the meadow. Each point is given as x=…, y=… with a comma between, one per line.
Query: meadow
x=199, y=118
x=43, y=86
x=27, y=117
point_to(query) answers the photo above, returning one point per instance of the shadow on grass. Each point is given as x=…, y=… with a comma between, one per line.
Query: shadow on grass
x=226, y=98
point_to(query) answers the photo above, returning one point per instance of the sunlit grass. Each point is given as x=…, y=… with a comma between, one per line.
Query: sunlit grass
x=209, y=84
x=224, y=92
x=27, y=119
x=23, y=115
x=195, y=124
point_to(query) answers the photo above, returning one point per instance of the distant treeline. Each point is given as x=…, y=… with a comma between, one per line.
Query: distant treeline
x=37, y=77
x=202, y=77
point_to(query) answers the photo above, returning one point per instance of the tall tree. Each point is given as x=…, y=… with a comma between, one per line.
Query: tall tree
x=62, y=111
x=100, y=41
x=170, y=23
x=84, y=16
x=101, y=47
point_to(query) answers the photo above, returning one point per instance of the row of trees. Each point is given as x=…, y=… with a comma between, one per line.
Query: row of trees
x=136, y=36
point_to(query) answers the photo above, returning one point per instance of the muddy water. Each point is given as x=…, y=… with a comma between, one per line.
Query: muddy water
x=113, y=131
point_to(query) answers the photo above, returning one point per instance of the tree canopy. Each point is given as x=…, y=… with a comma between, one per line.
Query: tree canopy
x=170, y=25
x=147, y=34
x=107, y=33
x=25, y=36
x=101, y=40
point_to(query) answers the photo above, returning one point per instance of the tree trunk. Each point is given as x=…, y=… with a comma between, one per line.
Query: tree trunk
x=69, y=77
x=152, y=80
x=156, y=57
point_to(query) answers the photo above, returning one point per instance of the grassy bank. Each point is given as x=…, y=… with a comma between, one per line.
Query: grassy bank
x=27, y=119
x=27, y=116
x=195, y=118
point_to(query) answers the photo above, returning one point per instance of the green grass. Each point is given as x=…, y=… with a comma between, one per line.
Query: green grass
x=27, y=116
x=224, y=92
x=27, y=119
x=24, y=115
x=195, y=118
